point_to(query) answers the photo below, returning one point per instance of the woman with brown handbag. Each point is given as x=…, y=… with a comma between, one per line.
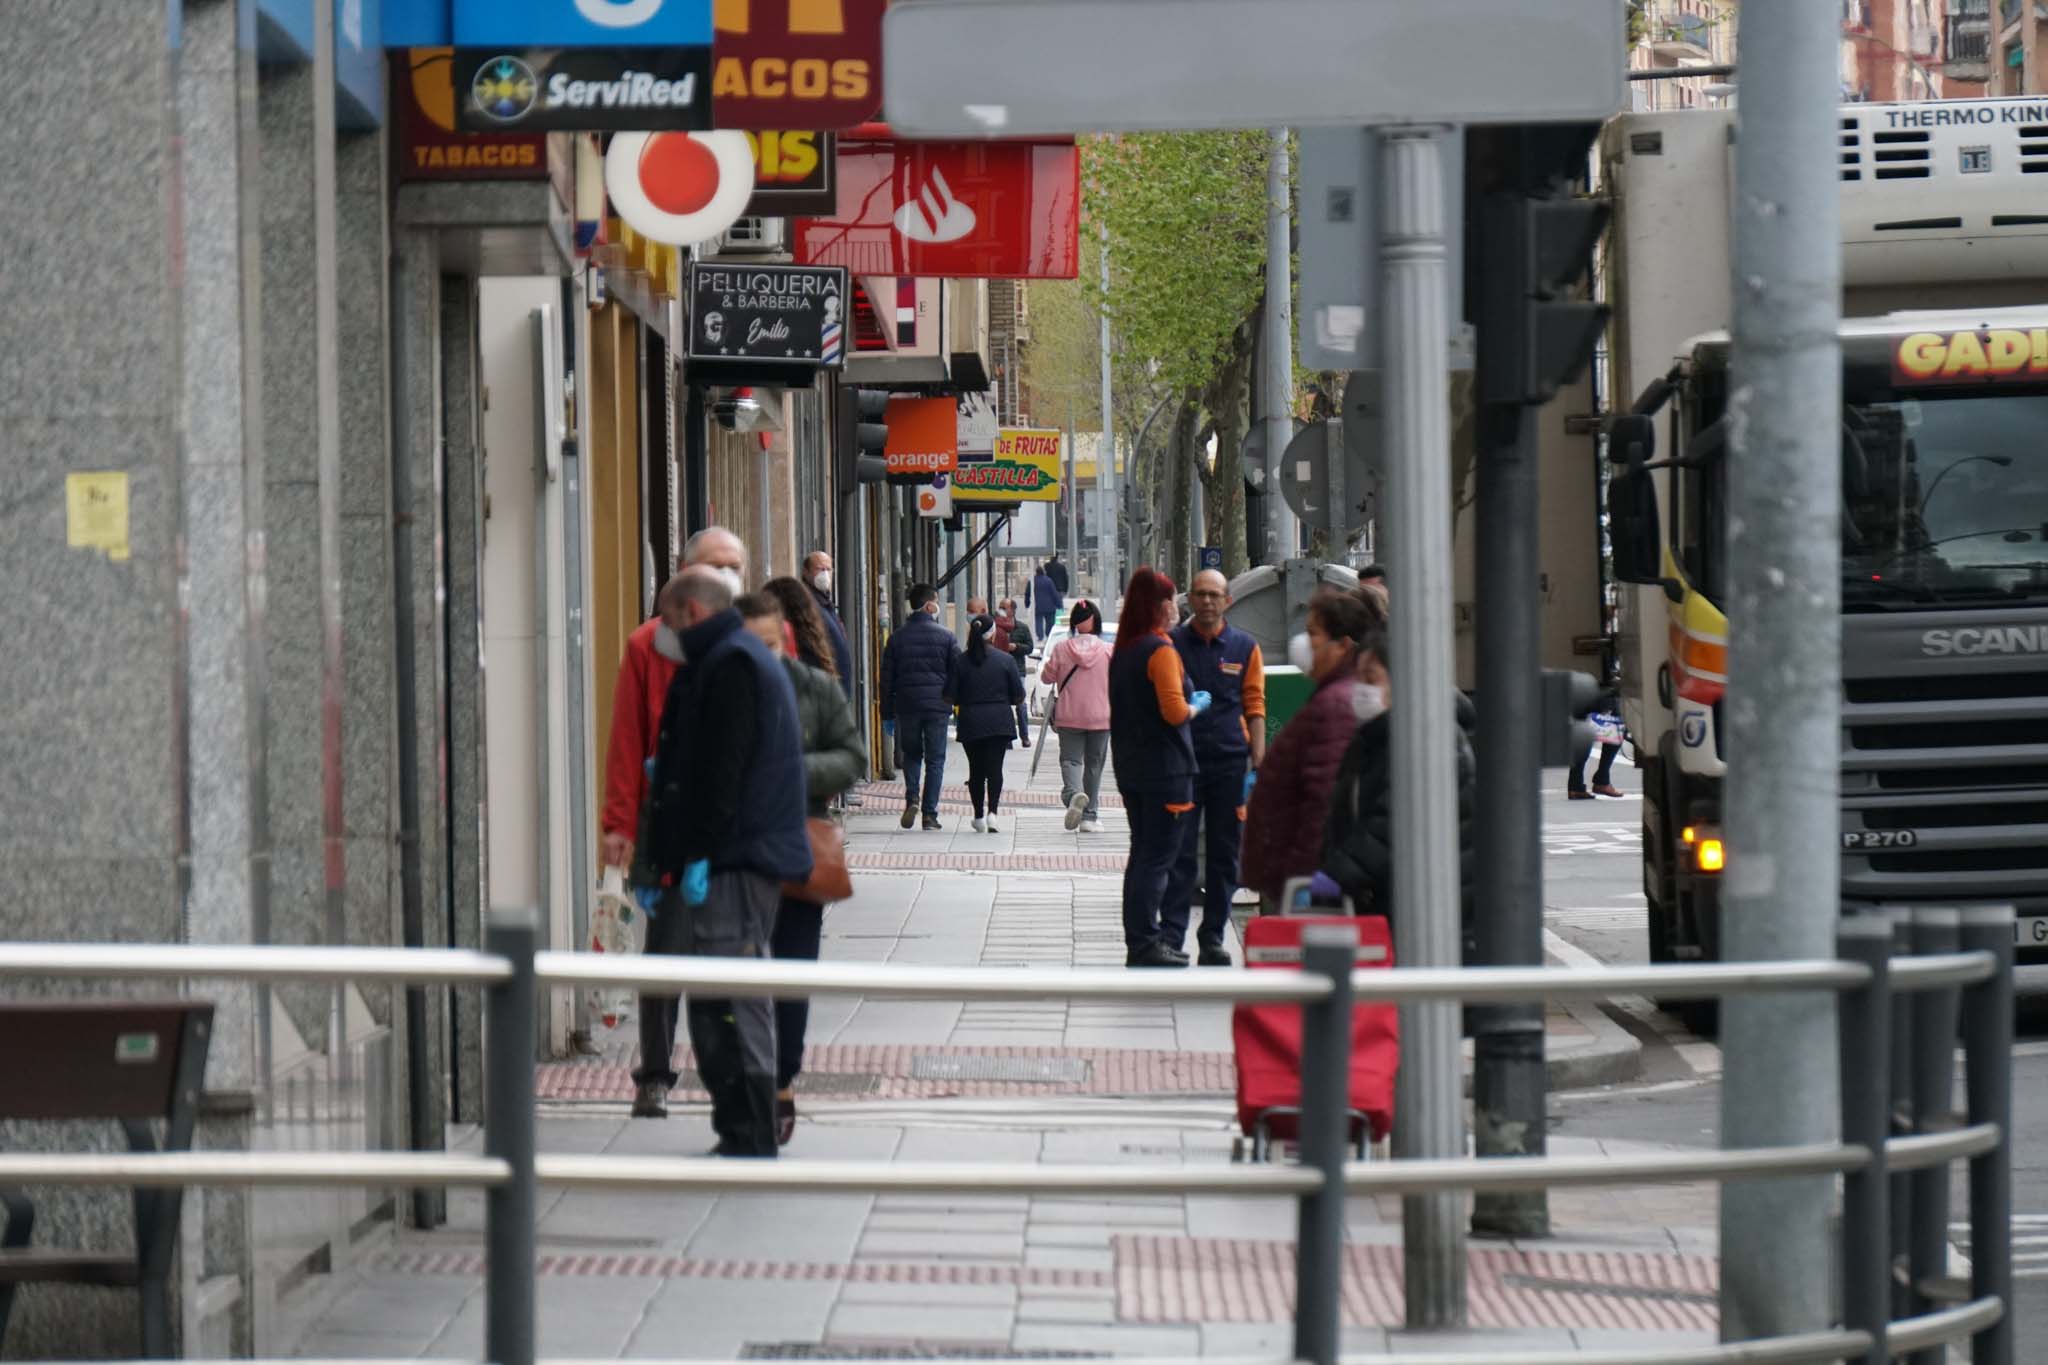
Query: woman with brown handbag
x=834, y=759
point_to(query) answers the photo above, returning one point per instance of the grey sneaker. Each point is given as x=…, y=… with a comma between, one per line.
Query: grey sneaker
x=650, y=1101
x=1091, y=826
x=980, y=825
x=991, y=823
x=1077, y=810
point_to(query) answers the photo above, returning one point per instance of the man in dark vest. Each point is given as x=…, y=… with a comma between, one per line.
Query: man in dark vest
x=1230, y=741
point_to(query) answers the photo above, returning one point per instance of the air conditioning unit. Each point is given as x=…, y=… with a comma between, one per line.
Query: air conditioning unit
x=756, y=235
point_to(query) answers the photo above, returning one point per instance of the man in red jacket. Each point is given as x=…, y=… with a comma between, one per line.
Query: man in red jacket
x=653, y=652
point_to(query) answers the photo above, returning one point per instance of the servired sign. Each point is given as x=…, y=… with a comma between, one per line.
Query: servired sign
x=1998, y=354
x=796, y=63
x=924, y=438
x=961, y=210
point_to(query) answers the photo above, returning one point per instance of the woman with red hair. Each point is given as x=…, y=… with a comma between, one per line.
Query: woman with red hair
x=1150, y=704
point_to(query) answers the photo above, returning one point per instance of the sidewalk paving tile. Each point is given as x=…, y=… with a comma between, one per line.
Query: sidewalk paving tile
x=768, y=1227
x=971, y=1324
x=1164, y=1343
x=882, y=1244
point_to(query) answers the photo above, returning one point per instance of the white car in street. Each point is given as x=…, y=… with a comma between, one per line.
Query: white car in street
x=1038, y=688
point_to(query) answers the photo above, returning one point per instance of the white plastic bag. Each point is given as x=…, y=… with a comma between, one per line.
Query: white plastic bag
x=1606, y=727
x=616, y=926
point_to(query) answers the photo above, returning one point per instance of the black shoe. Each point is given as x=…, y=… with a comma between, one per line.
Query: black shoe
x=650, y=1100
x=1156, y=955
x=1213, y=955
x=909, y=820
x=930, y=822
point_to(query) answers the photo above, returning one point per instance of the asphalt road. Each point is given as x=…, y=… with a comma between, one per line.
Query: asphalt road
x=1593, y=903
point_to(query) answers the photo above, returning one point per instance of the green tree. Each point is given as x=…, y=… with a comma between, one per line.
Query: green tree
x=1185, y=215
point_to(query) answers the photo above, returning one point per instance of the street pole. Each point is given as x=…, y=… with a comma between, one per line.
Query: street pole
x=1430, y=1108
x=1110, y=570
x=1073, y=497
x=1508, y=1081
x=1276, y=355
x=1780, y=895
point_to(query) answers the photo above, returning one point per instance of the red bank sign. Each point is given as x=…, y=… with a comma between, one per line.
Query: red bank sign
x=965, y=210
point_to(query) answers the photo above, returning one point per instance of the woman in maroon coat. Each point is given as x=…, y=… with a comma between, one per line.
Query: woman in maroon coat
x=1283, y=828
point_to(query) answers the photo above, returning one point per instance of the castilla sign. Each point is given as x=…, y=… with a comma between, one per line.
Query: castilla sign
x=1990, y=356
x=1023, y=467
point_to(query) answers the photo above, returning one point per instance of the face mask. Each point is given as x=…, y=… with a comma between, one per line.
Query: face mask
x=1369, y=702
x=732, y=579
x=1301, y=653
x=822, y=580
x=667, y=643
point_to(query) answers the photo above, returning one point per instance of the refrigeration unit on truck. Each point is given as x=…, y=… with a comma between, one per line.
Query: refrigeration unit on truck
x=1944, y=515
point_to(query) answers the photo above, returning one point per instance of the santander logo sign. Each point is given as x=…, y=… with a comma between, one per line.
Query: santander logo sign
x=934, y=215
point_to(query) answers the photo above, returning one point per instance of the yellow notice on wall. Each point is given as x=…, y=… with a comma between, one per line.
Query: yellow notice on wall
x=96, y=513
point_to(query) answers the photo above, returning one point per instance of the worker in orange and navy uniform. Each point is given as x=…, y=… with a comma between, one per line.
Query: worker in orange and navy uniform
x=1150, y=705
x=1230, y=739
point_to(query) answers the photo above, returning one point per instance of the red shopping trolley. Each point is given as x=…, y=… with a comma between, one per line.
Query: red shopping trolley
x=1266, y=1039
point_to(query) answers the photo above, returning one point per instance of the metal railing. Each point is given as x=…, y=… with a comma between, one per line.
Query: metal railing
x=1909, y=982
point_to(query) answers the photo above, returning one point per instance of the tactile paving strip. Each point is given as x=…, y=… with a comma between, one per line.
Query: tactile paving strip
x=1101, y=1071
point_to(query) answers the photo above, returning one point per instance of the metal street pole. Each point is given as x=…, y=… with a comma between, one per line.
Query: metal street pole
x=1276, y=355
x=1110, y=570
x=1781, y=900
x=1414, y=318
x=1508, y=1081
x=1073, y=497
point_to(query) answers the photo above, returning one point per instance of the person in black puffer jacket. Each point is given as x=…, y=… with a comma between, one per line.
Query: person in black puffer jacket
x=1358, y=850
x=988, y=689
x=917, y=667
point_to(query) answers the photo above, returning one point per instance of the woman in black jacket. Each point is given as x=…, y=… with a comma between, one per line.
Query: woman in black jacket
x=1358, y=849
x=988, y=689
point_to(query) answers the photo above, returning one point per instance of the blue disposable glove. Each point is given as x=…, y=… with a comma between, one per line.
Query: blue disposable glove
x=1323, y=887
x=1251, y=779
x=697, y=882
x=647, y=898
x=1200, y=702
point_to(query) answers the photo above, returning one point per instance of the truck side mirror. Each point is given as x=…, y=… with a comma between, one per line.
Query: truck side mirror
x=1636, y=530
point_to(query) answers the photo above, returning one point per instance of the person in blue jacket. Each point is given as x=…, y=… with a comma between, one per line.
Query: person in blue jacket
x=1044, y=597
x=988, y=689
x=917, y=668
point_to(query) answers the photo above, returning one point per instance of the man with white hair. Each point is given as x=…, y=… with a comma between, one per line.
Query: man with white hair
x=653, y=653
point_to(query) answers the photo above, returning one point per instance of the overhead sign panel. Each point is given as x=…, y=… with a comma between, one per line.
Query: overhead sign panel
x=430, y=147
x=1076, y=66
x=797, y=63
x=582, y=23
x=958, y=210
x=794, y=173
x=924, y=438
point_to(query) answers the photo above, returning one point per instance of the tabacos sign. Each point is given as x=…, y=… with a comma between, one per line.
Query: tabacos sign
x=1993, y=355
x=430, y=145
x=796, y=63
x=1024, y=467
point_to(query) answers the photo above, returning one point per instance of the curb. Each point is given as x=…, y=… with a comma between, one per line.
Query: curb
x=1613, y=1057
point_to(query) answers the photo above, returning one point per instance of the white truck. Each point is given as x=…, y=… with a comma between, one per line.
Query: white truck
x=1944, y=511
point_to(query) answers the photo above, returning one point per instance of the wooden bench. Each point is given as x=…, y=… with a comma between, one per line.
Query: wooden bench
x=138, y=1063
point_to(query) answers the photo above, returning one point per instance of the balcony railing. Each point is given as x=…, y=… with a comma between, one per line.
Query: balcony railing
x=1968, y=40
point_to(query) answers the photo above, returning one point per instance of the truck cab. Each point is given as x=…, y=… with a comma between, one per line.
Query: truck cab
x=1944, y=516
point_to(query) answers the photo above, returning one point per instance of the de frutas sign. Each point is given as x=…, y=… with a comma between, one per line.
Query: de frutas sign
x=616, y=89
x=767, y=314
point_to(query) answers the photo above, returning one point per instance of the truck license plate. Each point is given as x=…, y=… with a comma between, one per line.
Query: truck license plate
x=2030, y=931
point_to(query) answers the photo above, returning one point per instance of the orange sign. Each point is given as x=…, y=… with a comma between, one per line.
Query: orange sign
x=1999, y=353
x=431, y=148
x=796, y=63
x=924, y=438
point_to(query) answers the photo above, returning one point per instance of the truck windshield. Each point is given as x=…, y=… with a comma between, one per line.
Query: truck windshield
x=1944, y=497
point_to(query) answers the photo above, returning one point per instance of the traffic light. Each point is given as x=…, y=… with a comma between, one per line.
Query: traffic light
x=870, y=435
x=1536, y=330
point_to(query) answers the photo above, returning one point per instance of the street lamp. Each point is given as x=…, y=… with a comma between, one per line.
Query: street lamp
x=2002, y=461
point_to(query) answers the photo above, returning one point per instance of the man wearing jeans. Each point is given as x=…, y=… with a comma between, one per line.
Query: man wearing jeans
x=917, y=664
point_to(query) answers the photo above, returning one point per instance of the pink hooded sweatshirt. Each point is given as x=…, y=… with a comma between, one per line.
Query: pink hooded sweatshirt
x=1079, y=667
